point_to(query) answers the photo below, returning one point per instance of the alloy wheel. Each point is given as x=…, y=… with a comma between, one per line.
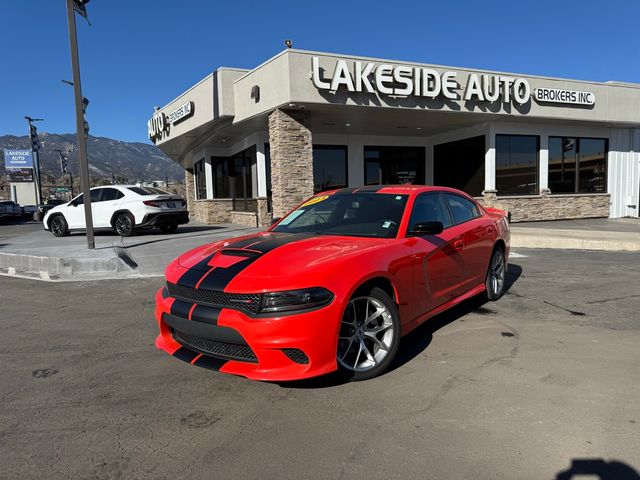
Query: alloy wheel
x=57, y=227
x=497, y=272
x=366, y=334
x=123, y=225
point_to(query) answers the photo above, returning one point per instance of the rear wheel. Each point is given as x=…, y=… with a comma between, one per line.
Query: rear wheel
x=58, y=226
x=369, y=335
x=124, y=224
x=495, y=281
x=168, y=228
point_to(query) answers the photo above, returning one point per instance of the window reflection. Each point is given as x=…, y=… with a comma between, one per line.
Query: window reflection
x=329, y=167
x=517, y=164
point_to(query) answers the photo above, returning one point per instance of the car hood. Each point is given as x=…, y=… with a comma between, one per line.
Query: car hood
x=270, y=255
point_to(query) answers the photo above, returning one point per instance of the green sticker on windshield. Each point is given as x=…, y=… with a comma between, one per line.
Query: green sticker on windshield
x=291, y=217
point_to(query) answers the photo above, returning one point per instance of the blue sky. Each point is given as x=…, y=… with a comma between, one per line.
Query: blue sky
x=142, y=53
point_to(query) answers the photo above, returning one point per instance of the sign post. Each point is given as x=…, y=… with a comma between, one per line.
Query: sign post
x=80, y=123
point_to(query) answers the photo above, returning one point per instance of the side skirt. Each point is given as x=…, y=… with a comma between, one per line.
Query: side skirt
x=445, y=306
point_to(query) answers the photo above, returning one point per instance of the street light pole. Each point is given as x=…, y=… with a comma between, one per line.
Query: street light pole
x=80, y=127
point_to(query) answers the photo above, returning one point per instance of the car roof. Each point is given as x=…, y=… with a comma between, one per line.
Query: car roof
x=393, y=189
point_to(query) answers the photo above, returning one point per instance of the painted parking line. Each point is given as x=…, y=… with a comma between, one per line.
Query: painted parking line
x=517, y=255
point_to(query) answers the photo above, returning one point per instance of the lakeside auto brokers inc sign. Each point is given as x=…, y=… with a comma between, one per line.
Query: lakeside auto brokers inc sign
x=405, y=80
x=18, y=165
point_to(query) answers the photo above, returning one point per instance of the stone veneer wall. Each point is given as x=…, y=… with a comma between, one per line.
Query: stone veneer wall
x=291, y=160
x=218, y=210
x=550, y=207
x=188, y=188
x=264, y=216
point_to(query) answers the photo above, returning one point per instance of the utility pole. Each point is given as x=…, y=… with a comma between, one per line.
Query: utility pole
x=35, y=145
x=83, y=163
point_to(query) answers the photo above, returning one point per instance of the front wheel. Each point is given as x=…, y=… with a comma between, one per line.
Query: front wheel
x=495, y=281
x=58, y=226
x=124, y=224
x=369, y=335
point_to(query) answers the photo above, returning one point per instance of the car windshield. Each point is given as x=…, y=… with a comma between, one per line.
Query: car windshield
x=353, y=214
x=148, y=191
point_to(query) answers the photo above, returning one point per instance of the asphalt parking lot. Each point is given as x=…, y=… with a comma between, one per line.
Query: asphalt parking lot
x=541, y=384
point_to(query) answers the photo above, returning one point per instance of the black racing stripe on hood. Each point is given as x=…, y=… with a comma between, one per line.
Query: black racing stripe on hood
x=206, y=314
x=219, y=277
x=191, y=277
x=210, y=362
x=180, y=308
x=185, y=354
x=275, y=240
x=245, y=242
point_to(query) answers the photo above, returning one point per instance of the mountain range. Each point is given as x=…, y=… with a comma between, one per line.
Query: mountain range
x=133, y=161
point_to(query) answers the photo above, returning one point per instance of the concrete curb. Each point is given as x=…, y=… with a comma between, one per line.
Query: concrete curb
x=565, y=240
x=107, y=263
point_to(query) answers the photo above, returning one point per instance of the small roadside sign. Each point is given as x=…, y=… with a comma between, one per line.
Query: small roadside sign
x=17, y=158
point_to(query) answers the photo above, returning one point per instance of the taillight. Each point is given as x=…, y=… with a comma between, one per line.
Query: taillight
x=151, y=203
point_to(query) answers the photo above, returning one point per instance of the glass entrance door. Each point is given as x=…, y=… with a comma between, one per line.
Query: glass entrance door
x=394, y=165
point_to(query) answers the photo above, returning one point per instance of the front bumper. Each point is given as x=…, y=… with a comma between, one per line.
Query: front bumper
x=290, y=347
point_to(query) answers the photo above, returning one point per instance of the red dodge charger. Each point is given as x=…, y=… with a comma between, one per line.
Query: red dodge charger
x=333, y=285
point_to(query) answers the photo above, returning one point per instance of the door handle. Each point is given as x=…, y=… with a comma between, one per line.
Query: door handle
x=458, y=244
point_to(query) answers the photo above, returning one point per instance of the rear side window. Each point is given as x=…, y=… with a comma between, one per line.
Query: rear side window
x=461, y=208
x=95, y=195
x=147, y=191
x=111, y=194
x=429, y=208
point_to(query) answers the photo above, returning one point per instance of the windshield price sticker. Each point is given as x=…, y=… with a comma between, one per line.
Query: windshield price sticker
x=315, y=200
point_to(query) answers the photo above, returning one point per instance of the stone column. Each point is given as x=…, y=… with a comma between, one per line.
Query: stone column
x=188, y=191
x=291, y=160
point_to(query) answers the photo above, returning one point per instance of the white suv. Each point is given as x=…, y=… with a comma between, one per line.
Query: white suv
x=123, y=208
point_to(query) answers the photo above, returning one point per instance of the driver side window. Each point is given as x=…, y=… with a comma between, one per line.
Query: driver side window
x=429, y=207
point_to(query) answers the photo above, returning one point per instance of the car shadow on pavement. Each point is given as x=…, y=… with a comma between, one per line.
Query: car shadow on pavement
x=598, y=468
x=416, y=341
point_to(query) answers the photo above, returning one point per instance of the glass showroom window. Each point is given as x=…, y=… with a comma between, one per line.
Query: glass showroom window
x=200, y=180
x=233, y=176
x=577, y=165
x=329, y=167
x=517, y=164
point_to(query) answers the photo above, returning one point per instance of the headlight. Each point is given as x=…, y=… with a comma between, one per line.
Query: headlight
x=295, y=300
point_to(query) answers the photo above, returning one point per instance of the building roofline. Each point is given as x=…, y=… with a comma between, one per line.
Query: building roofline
x=609, y=83
x=219, y=69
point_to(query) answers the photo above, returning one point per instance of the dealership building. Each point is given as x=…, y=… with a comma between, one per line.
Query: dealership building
x=255, y=143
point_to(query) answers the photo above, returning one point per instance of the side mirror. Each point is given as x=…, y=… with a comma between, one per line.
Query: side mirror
x=427, y=228
x=275, y=220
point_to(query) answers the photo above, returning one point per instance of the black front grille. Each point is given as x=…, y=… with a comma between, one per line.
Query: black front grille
x=296, y=355
x=216, y=349
x=249, y=302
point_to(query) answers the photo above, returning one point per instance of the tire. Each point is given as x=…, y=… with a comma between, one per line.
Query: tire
x=356, y=336
x=124, y=224
x=168, y=228
x=58, y=226
x=496, y=275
